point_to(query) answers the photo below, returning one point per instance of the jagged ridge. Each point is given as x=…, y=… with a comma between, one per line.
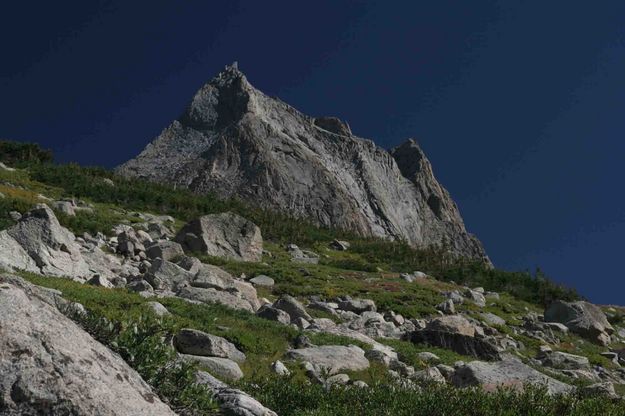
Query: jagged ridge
x=237, y=142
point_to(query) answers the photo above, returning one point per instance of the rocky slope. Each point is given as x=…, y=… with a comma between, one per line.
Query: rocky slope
x=256, y=310
x=237, y=142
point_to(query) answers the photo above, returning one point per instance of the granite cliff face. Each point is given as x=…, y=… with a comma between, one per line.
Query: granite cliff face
x=235, y=141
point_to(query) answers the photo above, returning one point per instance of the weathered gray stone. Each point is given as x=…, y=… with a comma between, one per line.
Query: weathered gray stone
x=51, y=246
x=456, y=333
x=447, y=307
x=223, y=368
x=65, y=207
x=49, y=365
x=279, y=368
x=223, y=235
x=165, y=275
x=510, y=373
x=158, y=309
x=215, y=296
x=332, y=358
x=582, y=318
x=357, y=305
x=302, y=256
x=232, y=401
x=237, y=142
x=262, y=280
x=291, y=306
x=340, y=245
x=563, y=360
x=166, y=250
x=194, y=342
x=274, y=314
x=492, y=319
x=209, y=276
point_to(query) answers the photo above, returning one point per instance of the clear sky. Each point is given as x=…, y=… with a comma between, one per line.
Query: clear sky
x=520, y=105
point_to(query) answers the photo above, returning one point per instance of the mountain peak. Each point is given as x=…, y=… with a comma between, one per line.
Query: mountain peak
x=236, y=142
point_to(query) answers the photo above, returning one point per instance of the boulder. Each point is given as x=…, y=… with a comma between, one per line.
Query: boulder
x=165, y=275
x=456, y=333
x=13, y=256
x=492, y=319
x=509, y=373
x=262, y=280
x=166, y=250
x=211, y=296
x=357, y=305
x=447, y=307
x=223, y=235
x=582, y=318
x=332, y=358
x=51, y=246
x=302, y=256
x=604, y=389
x=65, y=207
x=194, y=342
x=564, y=361
x=223, y=368
x=232, y=401
x=274, y=314
x=340, y=245
x=279, y=368
x=291, y=306
x=475, y=296
x=49, y=365
x=158, y=309
x=209, y=276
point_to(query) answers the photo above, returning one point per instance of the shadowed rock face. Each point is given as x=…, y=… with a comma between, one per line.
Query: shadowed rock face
x=235, y=141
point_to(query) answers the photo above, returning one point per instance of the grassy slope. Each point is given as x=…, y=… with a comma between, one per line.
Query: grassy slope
x=370, y=269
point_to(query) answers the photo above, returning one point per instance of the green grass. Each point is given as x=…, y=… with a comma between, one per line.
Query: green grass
x=290, y=398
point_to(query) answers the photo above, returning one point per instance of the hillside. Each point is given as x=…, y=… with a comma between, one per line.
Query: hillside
x=235, y=141
x=255, y=310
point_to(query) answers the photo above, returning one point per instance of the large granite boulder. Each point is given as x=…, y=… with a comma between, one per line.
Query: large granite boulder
x=50, y=246
x=510, y=373
x=232, y=401
x=456, y=333
x=210, y=296
x=49, y=365
x=332, y=358
x=582, y=318
x=223, y=235
x=194, y=342
x=292, y=306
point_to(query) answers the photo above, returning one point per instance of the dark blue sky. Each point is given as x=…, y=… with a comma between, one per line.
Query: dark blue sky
x=519, y=105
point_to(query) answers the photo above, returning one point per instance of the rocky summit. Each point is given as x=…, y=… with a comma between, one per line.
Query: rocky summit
x=235, y=141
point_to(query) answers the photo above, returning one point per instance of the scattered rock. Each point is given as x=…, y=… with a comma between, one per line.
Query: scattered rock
x=49, y=365
x=215, y=296
x=332, y=358
x=274, y=314
x=223, y=235
x=456, y=333
x=340, y=245
x=232, y=401
x=447, y=307
x=357, y=305
x=194, y=342
x=51, y=247
x=165, y=250
x=510, y=373
x=582, y=318
x=563, y=360
x=302, y=256
x=280, y=369
x=158, y=309
x=262, y=280
x=291, y=306
x=223, y=368
x=492, y=319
